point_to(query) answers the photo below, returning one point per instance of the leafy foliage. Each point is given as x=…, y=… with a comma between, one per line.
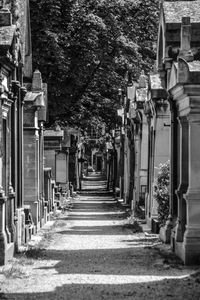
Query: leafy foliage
x=84, y=48
x=161, y=193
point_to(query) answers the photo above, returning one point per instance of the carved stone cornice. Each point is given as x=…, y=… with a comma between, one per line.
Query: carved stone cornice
x=6, y=105
x=6, y=102
x=186, y=97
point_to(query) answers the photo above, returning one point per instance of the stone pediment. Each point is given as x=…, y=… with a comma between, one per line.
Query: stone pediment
x=184, y=72
x=170, y=23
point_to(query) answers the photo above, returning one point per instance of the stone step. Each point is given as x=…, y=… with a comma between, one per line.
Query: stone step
x=93, y=178
x=94, y=182
x=95, y=193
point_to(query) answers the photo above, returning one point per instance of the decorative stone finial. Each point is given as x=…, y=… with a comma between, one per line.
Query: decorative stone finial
x=37, y=84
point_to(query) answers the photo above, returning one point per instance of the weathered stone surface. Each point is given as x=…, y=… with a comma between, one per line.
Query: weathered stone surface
x=194, y=66
x=90, y=254
x=5, y=17
x=174, y=11
x=155, y=81
x=53, y=133
x=141, y=94
x=6, y=35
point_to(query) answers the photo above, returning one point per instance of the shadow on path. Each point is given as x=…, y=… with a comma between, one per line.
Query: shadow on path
x=92, y=256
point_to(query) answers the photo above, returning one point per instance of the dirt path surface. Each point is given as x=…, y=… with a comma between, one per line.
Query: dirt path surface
x=88, y=253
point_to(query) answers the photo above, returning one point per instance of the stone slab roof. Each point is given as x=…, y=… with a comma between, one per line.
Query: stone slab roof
x=194, y=66
x=36, y=97
x=174, y=11
x=54, y=133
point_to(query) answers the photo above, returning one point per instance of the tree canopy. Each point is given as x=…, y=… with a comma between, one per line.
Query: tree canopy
x=83, y=50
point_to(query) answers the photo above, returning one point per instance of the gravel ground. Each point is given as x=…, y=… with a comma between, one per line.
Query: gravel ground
x=91, y=252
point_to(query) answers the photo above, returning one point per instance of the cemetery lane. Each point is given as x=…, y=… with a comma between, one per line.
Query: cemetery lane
x=92, y=252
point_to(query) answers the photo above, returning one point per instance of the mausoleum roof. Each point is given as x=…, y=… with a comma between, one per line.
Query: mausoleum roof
x=36, y=97
x=193, y=66
x=174, y=11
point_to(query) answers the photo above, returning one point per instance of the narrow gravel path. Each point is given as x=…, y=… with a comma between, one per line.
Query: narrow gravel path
x=89, y=253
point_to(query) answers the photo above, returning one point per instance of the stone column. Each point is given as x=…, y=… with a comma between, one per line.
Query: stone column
x=7, y=215
x=11, y=225
x=192, y=233
x=126, y=175
x=183, y=181
x=161, y=144
x=150, y=173
x=37, y=179
x=3, y=237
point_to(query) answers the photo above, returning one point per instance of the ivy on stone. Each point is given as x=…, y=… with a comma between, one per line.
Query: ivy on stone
x=161, y=192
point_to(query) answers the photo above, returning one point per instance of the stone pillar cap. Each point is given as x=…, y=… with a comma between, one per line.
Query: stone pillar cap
x=37, y=84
